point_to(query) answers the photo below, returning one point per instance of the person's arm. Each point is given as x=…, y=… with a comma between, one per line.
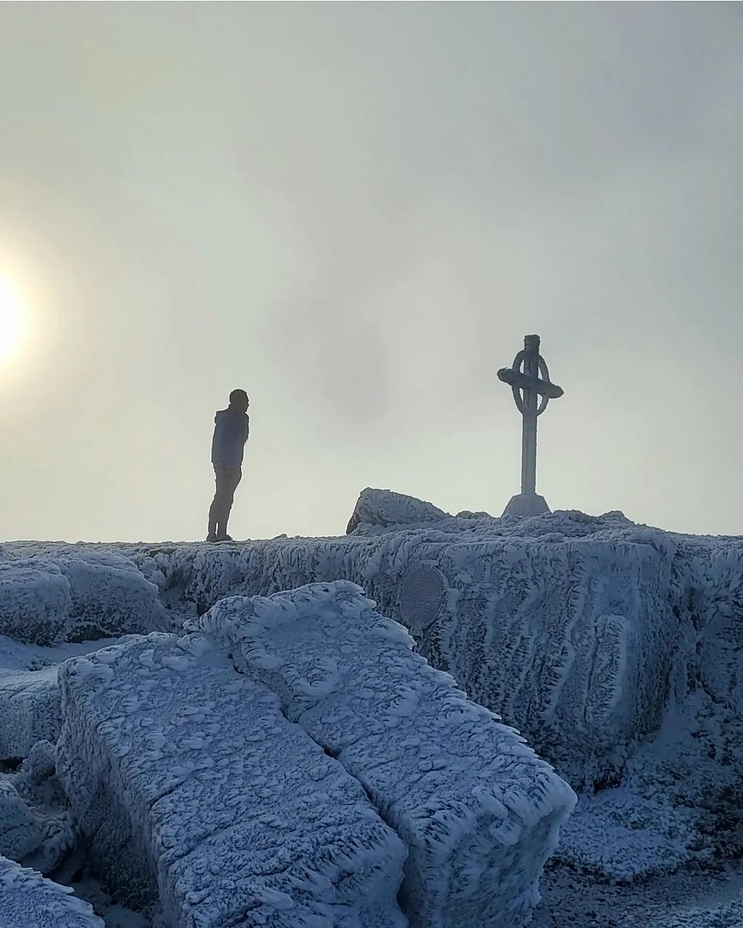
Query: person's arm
x=217, y=442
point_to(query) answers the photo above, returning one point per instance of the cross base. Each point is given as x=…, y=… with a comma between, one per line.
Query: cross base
x=526, y=504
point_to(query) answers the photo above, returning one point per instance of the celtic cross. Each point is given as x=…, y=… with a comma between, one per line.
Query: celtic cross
x=532, y=388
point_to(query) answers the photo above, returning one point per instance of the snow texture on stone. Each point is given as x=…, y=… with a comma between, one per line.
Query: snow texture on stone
x=35, y=826
x=478, y=810
x=613, y=647
x=19, y=833
x=20, y=655
x=188, y=780
x=589, y=611
x=76, y=596
x=622, y=836
x=29, y=710
x=569, y=638
x=689, y=898
x=28, y=900
x=385, y=508
x=34, y=600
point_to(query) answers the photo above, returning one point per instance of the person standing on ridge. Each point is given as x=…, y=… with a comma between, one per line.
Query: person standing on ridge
x=231, y=429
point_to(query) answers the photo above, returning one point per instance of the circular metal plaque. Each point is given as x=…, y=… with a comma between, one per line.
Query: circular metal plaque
x=421, y=598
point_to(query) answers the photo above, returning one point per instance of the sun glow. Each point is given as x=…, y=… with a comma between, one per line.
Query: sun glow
x=11, y=321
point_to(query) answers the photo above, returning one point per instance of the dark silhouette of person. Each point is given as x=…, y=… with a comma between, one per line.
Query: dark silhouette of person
x=231, y=430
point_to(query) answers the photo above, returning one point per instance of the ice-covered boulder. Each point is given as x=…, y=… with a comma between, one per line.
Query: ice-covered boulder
x=192, y=786
x=28, y=900
x=79, y=594
x=707, y=591
x=385, y=508
x=479, y=811
x=19, y=832
x=29, y=710
x=35, y=826
x=34, y=600
x=570, y=637
x=572, y=640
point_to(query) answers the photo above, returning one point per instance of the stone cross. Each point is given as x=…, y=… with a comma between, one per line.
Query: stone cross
x=529, y=379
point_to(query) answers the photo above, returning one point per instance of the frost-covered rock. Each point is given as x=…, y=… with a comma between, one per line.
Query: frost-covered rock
x=190, y=784
x=385, y=508
x=34, y=600
x=28, y=900
x=35, y=826
x=723, y=914
x=614, y=648
x=707, y=593
x=575, y=629
x=19, y=833
x=623, y=836
x=568, y=637
x=37, y=783
x=480, y=813
x=110, y=596
x=29, y=710
x=79, y=595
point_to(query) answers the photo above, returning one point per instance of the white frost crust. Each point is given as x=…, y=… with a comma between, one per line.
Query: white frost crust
x=28, y=900
x=478, y=810
x=29, y=709
x=74, y=595
x=190, y=783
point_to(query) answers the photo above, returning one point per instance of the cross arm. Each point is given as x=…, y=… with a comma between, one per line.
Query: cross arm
x=523, y=382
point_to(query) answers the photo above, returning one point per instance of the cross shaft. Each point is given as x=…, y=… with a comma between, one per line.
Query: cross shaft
x=532, y=389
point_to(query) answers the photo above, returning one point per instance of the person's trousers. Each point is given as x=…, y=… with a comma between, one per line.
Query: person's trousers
x=227, y=479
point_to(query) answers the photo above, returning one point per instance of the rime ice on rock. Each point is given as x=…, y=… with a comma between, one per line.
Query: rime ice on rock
x=190, y=784
x=20, y=834
x=28, y=900
x=34, y=829
x=29, y=710
x=584, y=632
x=78, y=595
x=385, y=508
x=34, y=600
x=563, y=623
x=478, y=810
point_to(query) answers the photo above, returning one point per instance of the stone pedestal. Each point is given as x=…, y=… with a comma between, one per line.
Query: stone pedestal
x=526, y=504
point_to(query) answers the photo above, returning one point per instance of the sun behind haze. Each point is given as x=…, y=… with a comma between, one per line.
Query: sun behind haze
x=356, y=212
x=11, y=321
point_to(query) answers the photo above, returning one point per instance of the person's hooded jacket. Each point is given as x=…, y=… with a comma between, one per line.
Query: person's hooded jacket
x=231, y=430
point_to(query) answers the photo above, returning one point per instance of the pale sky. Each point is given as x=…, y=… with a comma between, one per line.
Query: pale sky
x=356, y=212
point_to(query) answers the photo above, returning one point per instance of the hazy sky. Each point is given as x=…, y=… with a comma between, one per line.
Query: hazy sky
x=356, y=212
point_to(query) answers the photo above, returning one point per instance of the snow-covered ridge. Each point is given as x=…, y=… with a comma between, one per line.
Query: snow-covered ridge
x=612, y=647
x=578, y=630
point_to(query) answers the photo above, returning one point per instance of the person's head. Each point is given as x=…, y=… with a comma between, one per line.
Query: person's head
x=239, y=400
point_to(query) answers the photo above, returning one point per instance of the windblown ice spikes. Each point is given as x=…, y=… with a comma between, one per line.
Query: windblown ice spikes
x=30, y=901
